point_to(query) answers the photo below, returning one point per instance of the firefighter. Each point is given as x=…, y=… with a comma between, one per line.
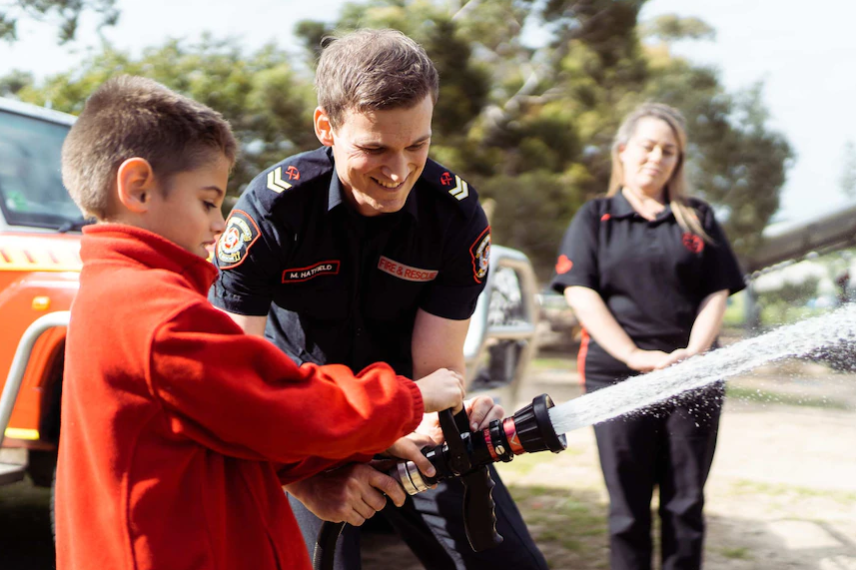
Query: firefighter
x=366, y=250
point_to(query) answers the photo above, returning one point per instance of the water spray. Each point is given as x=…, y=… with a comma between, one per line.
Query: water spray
x=540, y=426
x=467, y=454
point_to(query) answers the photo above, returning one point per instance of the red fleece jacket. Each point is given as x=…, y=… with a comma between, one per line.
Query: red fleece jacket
x=175, y=423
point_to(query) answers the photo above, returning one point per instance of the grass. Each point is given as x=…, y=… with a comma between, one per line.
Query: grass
x=767, y=397
x=746, y=487
x=552, y=363
x=736, y=553
x=569, y=526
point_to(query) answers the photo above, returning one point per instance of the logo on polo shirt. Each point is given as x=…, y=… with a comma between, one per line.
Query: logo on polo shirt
x=298, y=274
x=480, y=252
x=405, y=272
x=234, y=245
x=564, y=264
x=693, y=242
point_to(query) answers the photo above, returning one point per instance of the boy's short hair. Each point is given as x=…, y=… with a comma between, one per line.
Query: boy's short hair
x=368, y=70
x=134, y=117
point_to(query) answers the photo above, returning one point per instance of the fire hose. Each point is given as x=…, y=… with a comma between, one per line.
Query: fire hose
x=467, y=454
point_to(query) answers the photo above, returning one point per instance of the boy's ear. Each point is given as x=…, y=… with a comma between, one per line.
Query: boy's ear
x=323, y=127
x=135, y=183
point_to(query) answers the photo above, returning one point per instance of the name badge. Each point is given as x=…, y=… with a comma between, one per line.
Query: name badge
x=298, y=274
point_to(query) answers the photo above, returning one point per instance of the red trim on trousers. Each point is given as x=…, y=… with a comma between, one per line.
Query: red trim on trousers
x=581, y=357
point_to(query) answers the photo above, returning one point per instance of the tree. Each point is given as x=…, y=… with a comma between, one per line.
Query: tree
x=63, y=13
x=267, y=103
x=532, y=127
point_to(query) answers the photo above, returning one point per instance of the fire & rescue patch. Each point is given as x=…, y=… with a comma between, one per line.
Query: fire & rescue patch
x=480, y=252
x=405, y=272
x=234, y=245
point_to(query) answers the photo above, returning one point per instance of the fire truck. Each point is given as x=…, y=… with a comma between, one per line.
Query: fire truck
x=39, y=270
x=39, y=275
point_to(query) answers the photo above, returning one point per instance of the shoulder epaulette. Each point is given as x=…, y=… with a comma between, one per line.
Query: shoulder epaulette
x=287, y=176
x=452, y=186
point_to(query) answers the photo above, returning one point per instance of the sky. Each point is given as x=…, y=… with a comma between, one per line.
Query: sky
x=803, y=53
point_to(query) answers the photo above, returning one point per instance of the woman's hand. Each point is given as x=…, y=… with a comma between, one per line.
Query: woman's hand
x=647, y=360
x=676, y=356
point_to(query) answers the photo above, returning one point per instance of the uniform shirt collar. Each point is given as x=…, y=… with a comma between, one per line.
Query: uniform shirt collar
x=335, y=196
x=621, y=208
x=334, y=193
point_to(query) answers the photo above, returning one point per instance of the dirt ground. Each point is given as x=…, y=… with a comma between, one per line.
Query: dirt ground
x=781, y=495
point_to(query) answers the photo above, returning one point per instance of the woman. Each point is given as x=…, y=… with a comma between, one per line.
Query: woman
x=647, y=271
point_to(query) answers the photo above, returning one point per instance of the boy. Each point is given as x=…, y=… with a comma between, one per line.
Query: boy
x=178, y=429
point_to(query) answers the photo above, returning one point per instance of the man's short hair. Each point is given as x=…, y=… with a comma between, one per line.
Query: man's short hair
x=134, y=117
x=371, y=70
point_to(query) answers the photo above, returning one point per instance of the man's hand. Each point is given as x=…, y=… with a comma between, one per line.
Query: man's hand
x=646, y=360
x=351, y=494
x=442, y=389
x=482, y=410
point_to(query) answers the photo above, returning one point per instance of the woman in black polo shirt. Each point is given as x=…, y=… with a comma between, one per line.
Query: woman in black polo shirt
x=647, y=271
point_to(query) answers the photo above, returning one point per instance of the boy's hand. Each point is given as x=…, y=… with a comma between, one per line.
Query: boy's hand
x=441, y=390
x=410, y=447
x=351, y=494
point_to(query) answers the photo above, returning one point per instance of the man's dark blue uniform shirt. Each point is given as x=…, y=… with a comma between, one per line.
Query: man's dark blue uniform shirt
x=341, y=288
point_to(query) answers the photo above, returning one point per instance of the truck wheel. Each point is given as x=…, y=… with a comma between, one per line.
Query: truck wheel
x=41, y=466
x=53, y=506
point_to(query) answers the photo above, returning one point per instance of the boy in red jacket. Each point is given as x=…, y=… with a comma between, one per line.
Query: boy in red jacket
x=177, y=428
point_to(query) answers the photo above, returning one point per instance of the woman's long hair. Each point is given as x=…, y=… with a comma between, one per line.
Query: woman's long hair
x=676, y=187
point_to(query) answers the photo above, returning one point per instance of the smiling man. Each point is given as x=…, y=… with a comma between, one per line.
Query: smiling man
x=365, y=250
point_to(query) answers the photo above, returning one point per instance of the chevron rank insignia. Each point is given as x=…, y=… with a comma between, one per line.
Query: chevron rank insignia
x=461, y=190
x=275, y=181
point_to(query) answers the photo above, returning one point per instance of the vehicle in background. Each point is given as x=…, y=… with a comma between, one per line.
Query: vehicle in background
x=39, y=273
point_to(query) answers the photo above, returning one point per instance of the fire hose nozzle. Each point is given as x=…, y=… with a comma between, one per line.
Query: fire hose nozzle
x=534, y=428
x=529, y=430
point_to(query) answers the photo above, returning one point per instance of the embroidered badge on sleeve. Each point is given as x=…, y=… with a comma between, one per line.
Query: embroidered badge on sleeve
x=234, y=245
x=564, y=264
x=480, y=252
x=693, y=242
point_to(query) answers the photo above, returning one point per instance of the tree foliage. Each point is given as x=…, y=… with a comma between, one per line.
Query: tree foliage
x=65, y=14
x=530, y=127
x=267, y=103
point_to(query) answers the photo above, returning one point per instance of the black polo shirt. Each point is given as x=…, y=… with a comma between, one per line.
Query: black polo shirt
x=652, y=275
x=340, y=288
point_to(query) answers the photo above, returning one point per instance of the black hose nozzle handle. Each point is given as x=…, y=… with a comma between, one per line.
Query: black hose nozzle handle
x=480, y=510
